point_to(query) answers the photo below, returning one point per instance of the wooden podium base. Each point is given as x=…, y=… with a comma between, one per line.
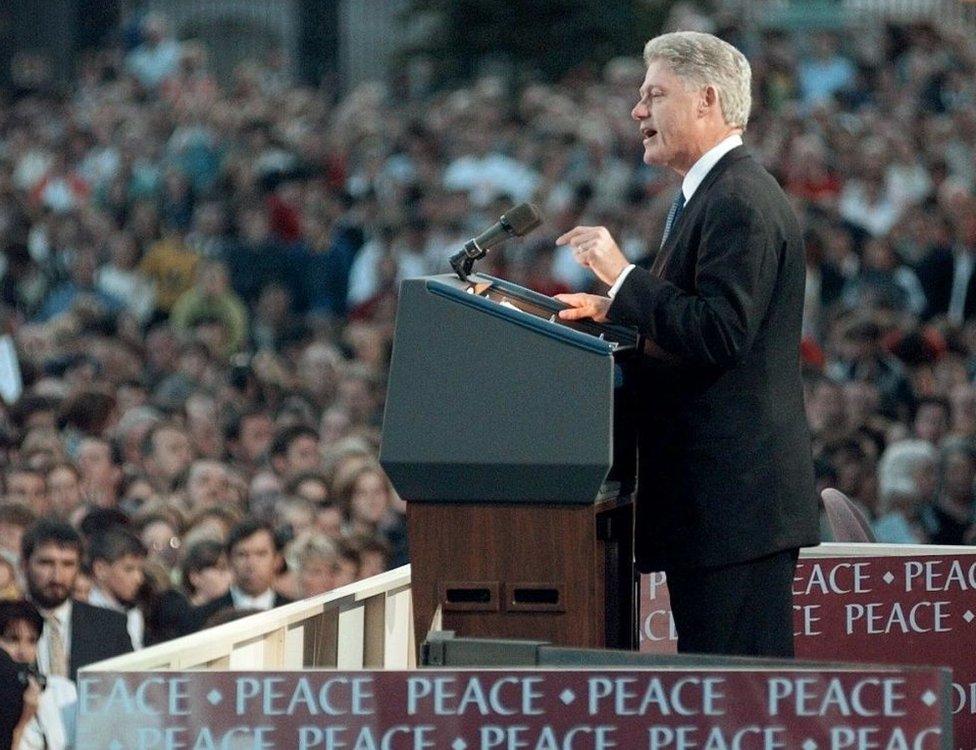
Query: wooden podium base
x=557, y=573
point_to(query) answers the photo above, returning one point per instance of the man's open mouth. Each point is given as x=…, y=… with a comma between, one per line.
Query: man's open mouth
x=648, y=133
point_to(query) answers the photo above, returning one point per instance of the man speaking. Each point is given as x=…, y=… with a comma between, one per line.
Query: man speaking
x=725, y=485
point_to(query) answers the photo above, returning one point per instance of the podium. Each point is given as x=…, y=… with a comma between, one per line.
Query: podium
x=509, y=433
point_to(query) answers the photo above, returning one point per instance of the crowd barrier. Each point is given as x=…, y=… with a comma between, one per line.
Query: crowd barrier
x=365, y=625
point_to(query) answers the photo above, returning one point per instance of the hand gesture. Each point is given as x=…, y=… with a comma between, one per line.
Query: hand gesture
x=594, y=248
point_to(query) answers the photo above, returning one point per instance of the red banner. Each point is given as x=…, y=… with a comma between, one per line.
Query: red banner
x=890, y=610
x=516, y=709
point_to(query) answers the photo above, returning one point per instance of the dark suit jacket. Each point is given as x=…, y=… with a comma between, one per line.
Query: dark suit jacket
x=935, y=273
x=198, y=616
x=726, y=473
x=97, y=633
x=11, y=699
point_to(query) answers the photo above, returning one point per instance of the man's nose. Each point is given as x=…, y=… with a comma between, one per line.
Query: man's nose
x=639, y=112
x=61, y=576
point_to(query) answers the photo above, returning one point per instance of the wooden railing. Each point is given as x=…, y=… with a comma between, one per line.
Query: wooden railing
x=367, y=624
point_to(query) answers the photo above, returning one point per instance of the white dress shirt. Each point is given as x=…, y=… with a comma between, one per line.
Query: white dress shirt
x=695, y=176
x=135, y=621
x=241, y=600
x=63, y=615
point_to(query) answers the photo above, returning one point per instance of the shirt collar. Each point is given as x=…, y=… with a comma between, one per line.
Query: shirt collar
x=703, y=166
x=244, y=601
x=102, y=598
x=61, y=613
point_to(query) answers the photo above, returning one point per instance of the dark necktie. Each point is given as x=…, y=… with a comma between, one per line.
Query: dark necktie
x=676, y=208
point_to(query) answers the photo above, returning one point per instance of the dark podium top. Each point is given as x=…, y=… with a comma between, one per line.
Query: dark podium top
x=491, y=398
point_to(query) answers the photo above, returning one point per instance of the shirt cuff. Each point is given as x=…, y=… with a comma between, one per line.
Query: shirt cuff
x=620, y=281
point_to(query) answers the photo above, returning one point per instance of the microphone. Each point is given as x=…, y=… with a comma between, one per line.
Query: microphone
x=515, y=222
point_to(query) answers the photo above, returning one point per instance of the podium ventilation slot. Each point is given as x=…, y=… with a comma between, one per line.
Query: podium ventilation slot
x=468, y=596
x=536, y=596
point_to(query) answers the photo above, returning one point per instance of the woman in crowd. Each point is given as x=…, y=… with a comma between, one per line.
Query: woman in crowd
x=48, y=717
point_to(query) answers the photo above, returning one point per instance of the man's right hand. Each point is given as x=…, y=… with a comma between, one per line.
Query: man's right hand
x=584, y=306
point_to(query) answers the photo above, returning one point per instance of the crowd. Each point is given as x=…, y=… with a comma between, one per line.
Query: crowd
x=199, y=282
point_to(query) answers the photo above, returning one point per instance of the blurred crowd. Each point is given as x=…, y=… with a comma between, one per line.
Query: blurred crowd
x=199, y=285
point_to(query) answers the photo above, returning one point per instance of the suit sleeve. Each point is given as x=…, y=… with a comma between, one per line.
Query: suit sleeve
x=736, y=272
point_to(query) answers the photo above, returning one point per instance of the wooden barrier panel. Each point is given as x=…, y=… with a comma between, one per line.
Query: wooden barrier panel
x=367, y=623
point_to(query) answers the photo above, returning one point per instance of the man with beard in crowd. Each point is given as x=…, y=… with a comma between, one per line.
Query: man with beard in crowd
x=76, y=634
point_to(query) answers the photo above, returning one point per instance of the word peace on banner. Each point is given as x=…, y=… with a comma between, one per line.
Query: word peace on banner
x=517, y=709
x=880, y=609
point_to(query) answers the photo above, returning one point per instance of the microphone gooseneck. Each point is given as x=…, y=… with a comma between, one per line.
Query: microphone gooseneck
x=516, y=222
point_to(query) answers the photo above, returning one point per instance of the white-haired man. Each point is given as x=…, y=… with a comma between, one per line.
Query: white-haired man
x=726, y=493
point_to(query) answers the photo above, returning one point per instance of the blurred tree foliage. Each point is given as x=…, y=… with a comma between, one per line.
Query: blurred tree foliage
x=547, y=37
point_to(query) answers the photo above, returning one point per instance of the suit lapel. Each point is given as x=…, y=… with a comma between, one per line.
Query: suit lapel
x=670, y=247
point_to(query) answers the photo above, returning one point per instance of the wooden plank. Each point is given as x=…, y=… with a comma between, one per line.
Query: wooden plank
x=274, y=649
x=398, y=630
x=294, y=656
x=374, y=631
x=349, y=645
x=320, y=641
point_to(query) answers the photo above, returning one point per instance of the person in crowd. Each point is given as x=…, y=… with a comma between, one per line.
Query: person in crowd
x=907, y=484
x=953, y=514
x=47, y=721
x=168, y=454
x=295, y=449
x=76, y=634
x=101, y=472
x=205, y=572
x=28, y=487
x=117, y=559
x=64, y=488
x=315, y=558
x=255, y=559
x=15, y=518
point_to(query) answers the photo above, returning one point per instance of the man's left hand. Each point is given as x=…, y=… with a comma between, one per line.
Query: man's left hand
x=594, y=248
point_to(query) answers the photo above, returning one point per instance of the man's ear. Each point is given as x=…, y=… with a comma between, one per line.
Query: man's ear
x=709, y=99
x=99, y=569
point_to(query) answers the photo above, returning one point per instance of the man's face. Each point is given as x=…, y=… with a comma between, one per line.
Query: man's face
x=172, y=452
x=256, y=433
x=208, y=484
x=64, y=491
x=254, y=561
x=95, y=464
x=121, y=578
x=29, y=489
x=303, y=454
x=51, y=571
x=666, y=113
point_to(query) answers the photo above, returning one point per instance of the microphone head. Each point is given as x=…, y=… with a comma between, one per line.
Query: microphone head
x=522, y=219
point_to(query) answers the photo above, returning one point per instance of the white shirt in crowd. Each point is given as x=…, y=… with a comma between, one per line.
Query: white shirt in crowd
x=243, y=601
